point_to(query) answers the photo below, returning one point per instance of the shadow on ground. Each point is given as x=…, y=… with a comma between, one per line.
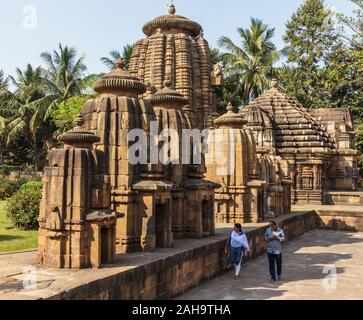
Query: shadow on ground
x=9, y=238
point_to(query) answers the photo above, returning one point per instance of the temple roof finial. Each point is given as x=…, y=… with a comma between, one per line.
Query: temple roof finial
x=274, y=83
x=230, y=107
x=78, y=137
x=171, y=9
x=171, y=23
x=120, y=64
x=119, y=82
x=79, y=121
x=167, y=83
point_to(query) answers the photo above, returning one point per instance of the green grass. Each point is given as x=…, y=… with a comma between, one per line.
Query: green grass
x=12, y=239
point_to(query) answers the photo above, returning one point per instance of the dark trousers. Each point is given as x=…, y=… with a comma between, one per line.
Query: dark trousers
x=275, y=260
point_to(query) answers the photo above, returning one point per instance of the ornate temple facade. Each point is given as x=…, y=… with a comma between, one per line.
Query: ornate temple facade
x=105, y=193
x=316, y=146
x=76, y=226
x=175, y=49
x=253, y=186
x=98, y=201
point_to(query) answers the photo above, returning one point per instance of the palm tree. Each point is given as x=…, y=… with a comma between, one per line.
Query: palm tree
x=116, y=55
x=4, y=82
x=215, y=55
x=253, y=62
x=38, y=91
x=65, y=73
x=26, y=108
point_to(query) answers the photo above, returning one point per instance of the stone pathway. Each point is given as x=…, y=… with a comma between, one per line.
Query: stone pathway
x=305, y=261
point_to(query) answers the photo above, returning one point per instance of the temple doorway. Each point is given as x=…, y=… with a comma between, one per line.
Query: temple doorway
x=106, y=245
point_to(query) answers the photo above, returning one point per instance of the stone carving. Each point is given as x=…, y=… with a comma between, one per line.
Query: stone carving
x=316, y=160
x=218, y=69
x=217, y=75
x=252, y=178
x=68, y=238
x=96, y=202
x=180, y=54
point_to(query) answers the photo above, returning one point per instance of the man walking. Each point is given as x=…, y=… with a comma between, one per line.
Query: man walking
x=274, y=236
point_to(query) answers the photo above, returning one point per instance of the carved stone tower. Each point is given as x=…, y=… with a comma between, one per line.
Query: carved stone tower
x=175, y=49
x=77, y=229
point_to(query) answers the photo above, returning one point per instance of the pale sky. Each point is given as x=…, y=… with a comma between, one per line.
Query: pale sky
x=96, y=27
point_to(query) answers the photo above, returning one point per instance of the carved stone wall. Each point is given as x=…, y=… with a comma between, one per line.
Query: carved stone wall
x=175, y=49
x=77, y=229
x=316, y=151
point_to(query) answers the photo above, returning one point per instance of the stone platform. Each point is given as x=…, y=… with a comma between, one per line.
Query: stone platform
x=306, y=263
x=352, y=198
x=163, y=274
x=336, y=217
x=169, y=273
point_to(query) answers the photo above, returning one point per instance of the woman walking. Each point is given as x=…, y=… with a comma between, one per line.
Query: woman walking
x=238, y=245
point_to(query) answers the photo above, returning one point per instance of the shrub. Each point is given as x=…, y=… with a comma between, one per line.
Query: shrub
x=23, y=207
x=9, y=187
x=63, y=116
x=5, y=171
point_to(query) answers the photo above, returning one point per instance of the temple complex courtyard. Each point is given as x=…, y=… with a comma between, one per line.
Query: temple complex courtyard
x=318, y=264
x=303, y=273
x=151, y=178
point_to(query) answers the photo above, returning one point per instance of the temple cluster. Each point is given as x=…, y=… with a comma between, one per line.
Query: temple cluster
x=316, y=146
x=96, y=203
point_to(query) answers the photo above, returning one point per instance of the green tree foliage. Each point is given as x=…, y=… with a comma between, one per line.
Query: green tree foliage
x=354, y=66
x=325, y=62
x=252, y=62
x=355, y=70
x=310, y=37
x=9, y=187
x=64, y=75
x=38, y=92
x=63, y=116
x=109, y=62
x=4, y=82
x=355, y=25
x=26, y=108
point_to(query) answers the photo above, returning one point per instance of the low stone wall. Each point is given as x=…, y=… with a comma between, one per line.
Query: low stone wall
x=172, y=276
x=345, y=198
x=168, y=273
x=339, y=220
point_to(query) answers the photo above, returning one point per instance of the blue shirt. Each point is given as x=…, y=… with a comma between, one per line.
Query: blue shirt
x=274, y=246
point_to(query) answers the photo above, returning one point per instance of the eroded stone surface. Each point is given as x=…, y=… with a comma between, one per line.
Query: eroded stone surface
x=316, y=147
x=253, y=186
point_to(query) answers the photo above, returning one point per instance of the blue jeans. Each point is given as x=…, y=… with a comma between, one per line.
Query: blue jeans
x=275, y=260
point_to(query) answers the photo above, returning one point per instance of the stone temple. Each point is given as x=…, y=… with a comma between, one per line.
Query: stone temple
x=98, y=201
x=175, y=49
x=316, y=146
